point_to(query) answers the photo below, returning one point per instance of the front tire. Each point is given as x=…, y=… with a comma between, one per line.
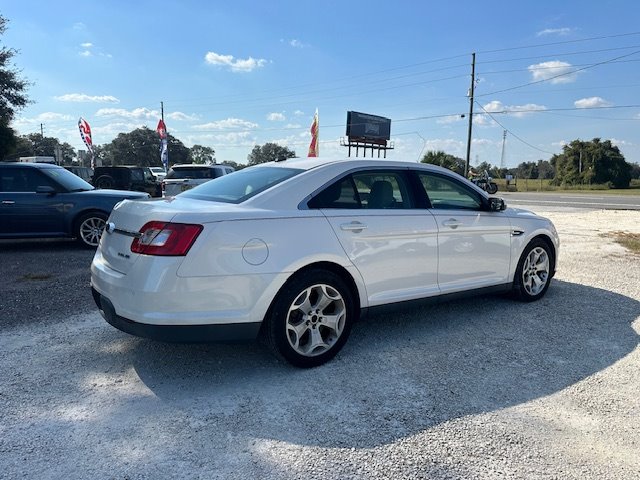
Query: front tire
x=310, y=319
x=533, y=274
x=89, y=228
x=492, y=188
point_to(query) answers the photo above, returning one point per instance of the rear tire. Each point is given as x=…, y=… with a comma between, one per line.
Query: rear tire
x=310, y=319
x=89, y=228
x=105, y=181
x=533, y=274
x=492, y=188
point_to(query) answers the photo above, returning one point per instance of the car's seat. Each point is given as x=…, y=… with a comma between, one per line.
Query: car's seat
x=381, y=195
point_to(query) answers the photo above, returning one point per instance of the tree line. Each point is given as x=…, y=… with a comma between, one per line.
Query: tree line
x=593, y=162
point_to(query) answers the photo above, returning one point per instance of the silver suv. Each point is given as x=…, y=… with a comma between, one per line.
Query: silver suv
x=184, y=177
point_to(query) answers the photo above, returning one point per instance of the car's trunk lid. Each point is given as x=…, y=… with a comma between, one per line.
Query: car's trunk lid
x=123, y=227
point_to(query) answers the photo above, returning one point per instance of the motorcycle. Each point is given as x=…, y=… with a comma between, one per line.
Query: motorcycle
x=484, y=181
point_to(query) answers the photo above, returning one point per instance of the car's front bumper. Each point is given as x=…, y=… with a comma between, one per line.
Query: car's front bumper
x=229, y=332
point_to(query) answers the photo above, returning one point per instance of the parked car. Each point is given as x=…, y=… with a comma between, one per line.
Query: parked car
x=127, y=177
x=158, y=173
x=85, y=173
x=181, y=178
x=41, y=200
x=297, y=250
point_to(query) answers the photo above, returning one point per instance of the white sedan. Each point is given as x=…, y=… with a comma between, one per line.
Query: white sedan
x=294, y=252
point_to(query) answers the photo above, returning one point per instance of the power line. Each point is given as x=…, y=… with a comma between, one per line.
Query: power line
x=523, y=47
x=560, y=75
x=513, y=134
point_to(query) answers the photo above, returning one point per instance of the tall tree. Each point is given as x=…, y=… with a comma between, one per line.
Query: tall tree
x=8, y=141
x=12, y=95
x=269, y=152
x=438, y=157
x=141, y=147
x=592, y=162
x=201, y=154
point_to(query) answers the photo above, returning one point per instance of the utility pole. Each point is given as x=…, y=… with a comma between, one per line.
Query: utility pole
x=580, y=163
x=504, y=139
x=41, y=131
x=471, y=90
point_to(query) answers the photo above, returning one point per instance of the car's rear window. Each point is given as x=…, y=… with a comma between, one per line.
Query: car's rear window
x=242, y=185
x=191, y=172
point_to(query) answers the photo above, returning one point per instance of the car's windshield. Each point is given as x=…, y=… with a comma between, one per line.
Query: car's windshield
x=242, y=185
x=68, y=180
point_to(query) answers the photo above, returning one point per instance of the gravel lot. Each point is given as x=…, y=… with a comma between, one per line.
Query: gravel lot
x=480, y=388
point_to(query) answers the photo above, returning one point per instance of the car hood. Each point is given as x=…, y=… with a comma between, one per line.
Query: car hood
x=114, y=193
x=520, y=212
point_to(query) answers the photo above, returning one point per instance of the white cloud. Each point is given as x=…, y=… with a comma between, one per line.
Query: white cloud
x=85, y=53
x=83, y=98
x=555, y=31
x=298, y=113
x=45, y=117
x=86, y=45
x=292, y=125
x=293, y=42
x=449, y=145
x=235, y=65
x=518, y=111
x=79, y=26
x=450, y=119
x=551, y=69
x=136, y=113
x=591, y=102
x=276, y=117
x=560, y=143
x=229, y=123
x=180, y=116
x=620, y=143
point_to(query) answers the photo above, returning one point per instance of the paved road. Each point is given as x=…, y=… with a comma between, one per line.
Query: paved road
x=593, y=201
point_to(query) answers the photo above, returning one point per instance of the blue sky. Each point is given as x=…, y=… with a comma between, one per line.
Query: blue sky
x=236, y=74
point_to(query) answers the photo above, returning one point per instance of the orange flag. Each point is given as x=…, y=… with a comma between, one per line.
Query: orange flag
x=315, y=130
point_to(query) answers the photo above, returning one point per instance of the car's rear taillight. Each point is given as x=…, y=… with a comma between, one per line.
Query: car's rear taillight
x=165, y=238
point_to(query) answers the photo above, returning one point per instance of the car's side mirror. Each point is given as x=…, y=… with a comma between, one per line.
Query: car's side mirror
x=46, y=189
x=496, y=204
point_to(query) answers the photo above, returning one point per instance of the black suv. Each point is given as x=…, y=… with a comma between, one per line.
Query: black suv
x=127, y=177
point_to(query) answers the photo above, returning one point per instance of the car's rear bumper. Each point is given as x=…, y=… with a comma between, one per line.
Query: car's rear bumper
x=230, y=332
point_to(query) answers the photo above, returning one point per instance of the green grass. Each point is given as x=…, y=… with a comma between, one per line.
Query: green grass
x=537, y=185
x=628, y=240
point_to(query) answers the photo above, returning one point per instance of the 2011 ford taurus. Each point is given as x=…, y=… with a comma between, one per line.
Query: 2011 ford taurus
x=295, y=251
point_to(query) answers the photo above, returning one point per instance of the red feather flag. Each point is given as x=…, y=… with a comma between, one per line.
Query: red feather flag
x=314, y=150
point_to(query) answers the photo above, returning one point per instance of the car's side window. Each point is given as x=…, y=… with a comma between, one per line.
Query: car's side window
x=23, y=180
x=368, y=189
x=446, y=193
x=340, y=194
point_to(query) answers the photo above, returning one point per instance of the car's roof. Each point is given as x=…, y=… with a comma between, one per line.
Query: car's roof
x=311, y=163
x=29, y=165
x=198, y=165
x=121, y=166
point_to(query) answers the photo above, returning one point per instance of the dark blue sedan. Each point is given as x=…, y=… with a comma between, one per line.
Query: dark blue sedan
x=43, y=200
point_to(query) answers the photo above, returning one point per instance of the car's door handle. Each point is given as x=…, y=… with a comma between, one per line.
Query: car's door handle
x=353, y=227
x=8, y=202
x=452, y=223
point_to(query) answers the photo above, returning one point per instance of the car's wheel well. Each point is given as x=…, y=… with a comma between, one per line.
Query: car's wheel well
x=328, y=266
x=552, y=250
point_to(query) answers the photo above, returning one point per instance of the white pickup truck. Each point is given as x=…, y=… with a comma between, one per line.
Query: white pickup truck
x=184, y=177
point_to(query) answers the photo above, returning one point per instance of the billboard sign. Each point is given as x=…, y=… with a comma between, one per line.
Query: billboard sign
x=363, y=127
